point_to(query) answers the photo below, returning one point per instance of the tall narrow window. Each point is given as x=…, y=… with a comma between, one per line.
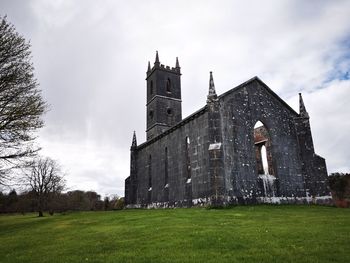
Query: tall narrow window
x=264, y=160
x=166, y=184
x=150, y=173
x=168, y=85
x=188, y=159
x=151, y=87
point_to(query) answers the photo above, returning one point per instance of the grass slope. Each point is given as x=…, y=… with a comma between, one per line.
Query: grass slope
x=240, y=234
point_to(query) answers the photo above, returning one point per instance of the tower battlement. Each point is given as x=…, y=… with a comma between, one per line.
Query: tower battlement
x=157, y=65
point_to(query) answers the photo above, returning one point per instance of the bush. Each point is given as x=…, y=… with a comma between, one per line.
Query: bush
x=339, y=183
x=119, y=204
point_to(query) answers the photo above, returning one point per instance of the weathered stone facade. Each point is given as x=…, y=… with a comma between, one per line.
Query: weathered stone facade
x=217, y=155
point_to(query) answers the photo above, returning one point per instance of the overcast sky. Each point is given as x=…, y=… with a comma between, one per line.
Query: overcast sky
x=90, y=58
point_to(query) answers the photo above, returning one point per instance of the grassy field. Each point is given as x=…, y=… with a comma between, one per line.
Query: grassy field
x=239, y=234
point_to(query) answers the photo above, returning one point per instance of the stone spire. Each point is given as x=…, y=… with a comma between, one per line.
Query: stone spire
x=177, y=63
x=156, y=62
x=149, y=67
x=302, y=109
x=134, y=142
x=212, y=93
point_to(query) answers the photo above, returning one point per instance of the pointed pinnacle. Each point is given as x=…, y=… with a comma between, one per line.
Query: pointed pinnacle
x=211, y=85
x=157, y=58
x=177, y=63
x=149, y=67
x=302, y=109
x=134, y=142
x=212, y=92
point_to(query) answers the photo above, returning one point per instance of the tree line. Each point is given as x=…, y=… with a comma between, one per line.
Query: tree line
x=77, y=200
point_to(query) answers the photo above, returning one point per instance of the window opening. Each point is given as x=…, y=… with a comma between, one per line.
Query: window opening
x=188, y=159
x=266, y=177
x=166, y=168
x=150, y=173
x=168, y=85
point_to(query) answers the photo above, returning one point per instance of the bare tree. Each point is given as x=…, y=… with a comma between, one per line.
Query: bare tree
x=45, y=179
x=21, y=103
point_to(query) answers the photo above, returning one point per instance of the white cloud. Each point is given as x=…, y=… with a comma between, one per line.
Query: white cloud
x=329, y=109
x=87, y=164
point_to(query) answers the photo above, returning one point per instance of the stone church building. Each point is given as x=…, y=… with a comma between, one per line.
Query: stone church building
x=244, y=146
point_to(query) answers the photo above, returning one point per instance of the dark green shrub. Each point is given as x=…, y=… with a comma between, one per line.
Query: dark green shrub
x=339, y=183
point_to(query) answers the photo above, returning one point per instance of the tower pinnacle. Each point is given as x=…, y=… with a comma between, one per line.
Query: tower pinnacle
x=212, y=93
x=149, y=67
x=302, y=109
x=156, y=62
x=134, y=142
x=177, y=63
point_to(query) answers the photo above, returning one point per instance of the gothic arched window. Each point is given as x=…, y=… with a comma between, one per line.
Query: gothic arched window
x=262, y=142
x=264, y=161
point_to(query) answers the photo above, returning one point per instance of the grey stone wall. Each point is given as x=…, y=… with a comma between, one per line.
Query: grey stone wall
x=219, y=164
x=314, y=166
x=240, y=111
x=181, y=187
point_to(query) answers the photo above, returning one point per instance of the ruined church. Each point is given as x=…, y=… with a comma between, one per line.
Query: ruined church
x=244, y=146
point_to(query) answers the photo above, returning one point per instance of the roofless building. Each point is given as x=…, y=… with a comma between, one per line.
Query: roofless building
x=244, y=146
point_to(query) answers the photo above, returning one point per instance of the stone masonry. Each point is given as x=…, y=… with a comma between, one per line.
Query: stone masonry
x=217, y=156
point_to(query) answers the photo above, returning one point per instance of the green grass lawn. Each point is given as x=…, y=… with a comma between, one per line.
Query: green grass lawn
x=240, y=234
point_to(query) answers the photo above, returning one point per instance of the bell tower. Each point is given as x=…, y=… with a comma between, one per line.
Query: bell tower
x=163, y=97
